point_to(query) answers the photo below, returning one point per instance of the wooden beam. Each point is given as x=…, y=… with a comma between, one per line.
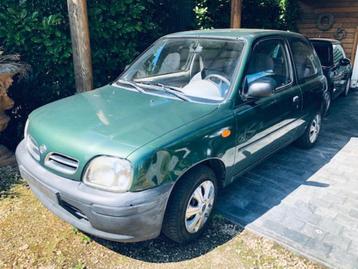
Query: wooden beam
x=81, y=49
x=355, y=45
x=236, y=6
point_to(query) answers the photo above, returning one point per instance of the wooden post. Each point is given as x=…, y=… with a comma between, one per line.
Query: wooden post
x=236, y=13
x=81, y=49
x=355, y=45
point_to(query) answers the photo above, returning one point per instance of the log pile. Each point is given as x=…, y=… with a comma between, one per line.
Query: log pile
x=6, y=156
x=9, y=67
x=5, y=101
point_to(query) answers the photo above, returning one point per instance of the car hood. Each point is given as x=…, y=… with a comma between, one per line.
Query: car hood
x=109, y=121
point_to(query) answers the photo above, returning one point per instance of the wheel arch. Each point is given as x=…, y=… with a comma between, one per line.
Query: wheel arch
x=214, y=164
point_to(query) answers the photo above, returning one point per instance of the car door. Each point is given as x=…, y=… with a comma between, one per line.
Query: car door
x=338, y=71
x=309, y=76
x=268, y=123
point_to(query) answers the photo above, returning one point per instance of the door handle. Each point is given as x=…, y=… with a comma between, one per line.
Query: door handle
x=295, y=99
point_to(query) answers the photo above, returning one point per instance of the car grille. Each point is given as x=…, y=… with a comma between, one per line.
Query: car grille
x=61, y=163
x=33, y=148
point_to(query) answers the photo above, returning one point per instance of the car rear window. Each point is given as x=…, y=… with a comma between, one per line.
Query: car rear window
x=324, y=52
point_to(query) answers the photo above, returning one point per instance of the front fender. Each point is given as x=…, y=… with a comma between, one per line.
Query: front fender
x=168, y=158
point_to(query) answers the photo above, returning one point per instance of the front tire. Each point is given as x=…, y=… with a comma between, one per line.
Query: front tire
x=190, y=206
x=311, y=134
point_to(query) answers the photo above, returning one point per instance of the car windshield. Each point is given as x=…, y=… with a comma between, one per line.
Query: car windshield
x=194, y=69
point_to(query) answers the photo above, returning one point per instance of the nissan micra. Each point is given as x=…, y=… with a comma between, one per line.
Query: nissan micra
x=150, y=152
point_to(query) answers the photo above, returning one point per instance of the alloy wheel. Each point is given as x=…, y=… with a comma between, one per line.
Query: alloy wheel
x=199, y=206
x=328, y=101
x=315, y=128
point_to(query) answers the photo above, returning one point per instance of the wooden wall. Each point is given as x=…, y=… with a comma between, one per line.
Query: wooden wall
x=345, y=14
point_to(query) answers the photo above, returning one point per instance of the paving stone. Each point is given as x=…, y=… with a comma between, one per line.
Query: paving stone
x=330, y=226
x=354, y=213
x=314, y=232
x=307, y=199
x=344, y=219
x=353, y=248
x=343, y=259
x=291, y=222
x=318, y=248
x=337, y=241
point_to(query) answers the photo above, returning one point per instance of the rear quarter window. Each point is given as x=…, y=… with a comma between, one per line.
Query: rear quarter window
x=338, y=53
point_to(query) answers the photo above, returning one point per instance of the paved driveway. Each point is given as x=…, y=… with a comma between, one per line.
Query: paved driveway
x=307, y=199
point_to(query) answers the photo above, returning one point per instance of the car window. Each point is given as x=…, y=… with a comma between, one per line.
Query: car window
x=324, y=52
x=338, y=54
x=202, y=69
x=269, y=59
x=165, y=59
x=305, y=59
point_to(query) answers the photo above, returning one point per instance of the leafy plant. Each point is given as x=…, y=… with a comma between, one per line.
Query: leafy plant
x=39, y=31
x=273, y=14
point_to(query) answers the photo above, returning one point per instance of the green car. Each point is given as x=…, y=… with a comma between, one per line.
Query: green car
x=150, y=152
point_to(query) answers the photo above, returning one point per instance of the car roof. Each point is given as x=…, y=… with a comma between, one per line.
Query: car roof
x=234, y=33
x=328, y=40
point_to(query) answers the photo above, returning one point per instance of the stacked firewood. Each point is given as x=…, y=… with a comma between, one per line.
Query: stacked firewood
x=5, y=101
x=9, y=67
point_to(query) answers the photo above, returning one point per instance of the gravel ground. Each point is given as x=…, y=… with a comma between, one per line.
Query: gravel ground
x=32, y=237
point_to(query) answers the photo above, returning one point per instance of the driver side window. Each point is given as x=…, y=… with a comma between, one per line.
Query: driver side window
x=269, y=60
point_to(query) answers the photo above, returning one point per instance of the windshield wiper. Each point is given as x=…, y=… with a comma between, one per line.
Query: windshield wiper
x=168, y=89
x=130, y=83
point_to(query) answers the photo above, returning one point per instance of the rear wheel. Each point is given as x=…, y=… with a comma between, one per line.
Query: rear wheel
x=190, y=206
x=348, y=87
x=310, y=136
x=327, y=102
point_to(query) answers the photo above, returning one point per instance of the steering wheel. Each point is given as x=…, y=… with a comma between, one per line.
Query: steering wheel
x=220, y=77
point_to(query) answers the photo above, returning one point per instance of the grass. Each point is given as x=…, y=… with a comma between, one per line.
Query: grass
x=32, y=237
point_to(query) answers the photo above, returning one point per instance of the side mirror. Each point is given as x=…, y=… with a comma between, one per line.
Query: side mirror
x=345, y=61
x=126, y=67
x=262, y=87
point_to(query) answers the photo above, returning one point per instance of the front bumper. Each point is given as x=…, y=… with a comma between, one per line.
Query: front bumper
x=124, y=217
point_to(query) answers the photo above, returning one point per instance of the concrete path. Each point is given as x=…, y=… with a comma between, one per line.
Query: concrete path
x=307, y=200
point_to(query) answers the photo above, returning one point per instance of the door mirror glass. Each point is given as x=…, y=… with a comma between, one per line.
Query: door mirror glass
x=344, y=61
x=262, y=87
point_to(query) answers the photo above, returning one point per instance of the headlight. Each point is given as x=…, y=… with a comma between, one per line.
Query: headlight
x=109, y=173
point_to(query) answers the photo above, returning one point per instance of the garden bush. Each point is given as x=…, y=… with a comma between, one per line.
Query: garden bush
x=269, y=14
x=119, y=30
x=39, y=31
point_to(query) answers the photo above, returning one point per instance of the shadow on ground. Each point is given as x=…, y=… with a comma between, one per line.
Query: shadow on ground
x=263, y=188
x=9, y=176
x=162, y=250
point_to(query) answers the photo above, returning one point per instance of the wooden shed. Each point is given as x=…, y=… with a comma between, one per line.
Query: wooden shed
x=337, y=19
x=330, y=19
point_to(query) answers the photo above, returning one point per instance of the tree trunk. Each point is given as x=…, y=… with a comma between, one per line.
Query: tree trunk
x=236, y=6
x=81, y=50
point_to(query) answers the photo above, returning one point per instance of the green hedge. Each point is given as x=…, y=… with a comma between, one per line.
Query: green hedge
x=269, y=14
x=39, y=31
x=119, y=29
